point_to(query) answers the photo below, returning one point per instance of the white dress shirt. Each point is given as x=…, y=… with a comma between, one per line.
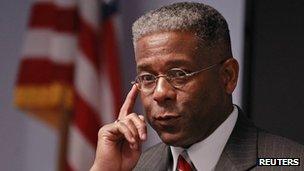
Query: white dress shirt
x=206, y=153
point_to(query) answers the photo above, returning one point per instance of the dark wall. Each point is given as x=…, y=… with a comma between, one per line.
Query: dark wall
x=275, y=58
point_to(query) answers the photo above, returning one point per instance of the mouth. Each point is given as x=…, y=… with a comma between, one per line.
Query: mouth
x=167, y=120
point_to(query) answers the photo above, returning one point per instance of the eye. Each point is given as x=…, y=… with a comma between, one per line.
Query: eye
x=176, y=73
x=146, y=78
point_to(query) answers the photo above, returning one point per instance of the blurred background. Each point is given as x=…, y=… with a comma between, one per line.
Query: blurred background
x=267, y=40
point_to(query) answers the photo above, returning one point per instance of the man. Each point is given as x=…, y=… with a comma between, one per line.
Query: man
x=186, y=76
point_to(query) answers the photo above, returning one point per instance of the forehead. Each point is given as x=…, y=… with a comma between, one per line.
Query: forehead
x=166, y=48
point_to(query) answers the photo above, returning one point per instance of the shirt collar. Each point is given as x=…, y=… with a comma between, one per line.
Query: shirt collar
x=206, y=153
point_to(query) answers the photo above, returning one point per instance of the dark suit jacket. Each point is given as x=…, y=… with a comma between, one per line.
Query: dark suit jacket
x=245, y=145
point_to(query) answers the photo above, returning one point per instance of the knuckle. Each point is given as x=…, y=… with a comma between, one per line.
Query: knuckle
x=103, y=128
x=128, y=121
x=142, y=128
x=135, y=118
x=120, y=124
x=125, y=121
x=102, y=131
x=133, y=115
x=141, y=123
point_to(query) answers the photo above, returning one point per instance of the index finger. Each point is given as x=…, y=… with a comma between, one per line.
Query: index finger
x=128, y=105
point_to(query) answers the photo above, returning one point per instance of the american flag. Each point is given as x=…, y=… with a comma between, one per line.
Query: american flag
x=70, y=65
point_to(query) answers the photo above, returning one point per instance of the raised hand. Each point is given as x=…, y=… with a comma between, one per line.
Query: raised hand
x=119, y=143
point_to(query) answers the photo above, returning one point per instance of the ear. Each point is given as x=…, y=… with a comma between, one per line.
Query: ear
x=229, y=74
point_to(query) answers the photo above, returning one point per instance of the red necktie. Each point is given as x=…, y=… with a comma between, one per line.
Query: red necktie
x=182, y=164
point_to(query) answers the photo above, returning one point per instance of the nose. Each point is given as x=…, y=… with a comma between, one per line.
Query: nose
x=163, y=91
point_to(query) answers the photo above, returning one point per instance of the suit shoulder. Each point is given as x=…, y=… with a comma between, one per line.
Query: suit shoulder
x=153, y=152
x=271, y=145
x=153, y=157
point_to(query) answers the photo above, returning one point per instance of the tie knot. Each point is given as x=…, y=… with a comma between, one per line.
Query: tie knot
x=184, y=163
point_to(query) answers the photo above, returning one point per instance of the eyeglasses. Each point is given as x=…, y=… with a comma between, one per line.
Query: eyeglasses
x=176, y=77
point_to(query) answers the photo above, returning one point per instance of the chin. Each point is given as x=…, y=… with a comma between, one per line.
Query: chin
x=173, y=139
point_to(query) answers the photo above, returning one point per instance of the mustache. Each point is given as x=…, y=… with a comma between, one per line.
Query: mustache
x=165, y=112
x=166, y=109
x=166, y=116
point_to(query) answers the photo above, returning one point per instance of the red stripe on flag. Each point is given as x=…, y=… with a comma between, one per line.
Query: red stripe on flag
x=42, y=71
x=87, y=120
x=111, y=54
x=88, y=42
x=50, y=16
x=68, y=167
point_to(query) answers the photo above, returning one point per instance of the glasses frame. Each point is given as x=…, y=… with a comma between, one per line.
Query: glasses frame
x=187, y=75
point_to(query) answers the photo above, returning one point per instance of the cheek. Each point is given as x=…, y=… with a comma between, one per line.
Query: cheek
x=200, y=96
x=197, y=102
x=146, y=102
x=190, y=103
x=193, y=93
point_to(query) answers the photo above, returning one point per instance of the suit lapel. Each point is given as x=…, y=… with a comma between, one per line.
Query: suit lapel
x=165, y=160
x=240, y=152
x=157, y=158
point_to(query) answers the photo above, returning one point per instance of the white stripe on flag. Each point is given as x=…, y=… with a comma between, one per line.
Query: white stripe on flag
x=58, y=47
x=106, y=99
x=63, y=48
x=86, y=81
x=37, y=43
x=81, y=153
x=89, y=11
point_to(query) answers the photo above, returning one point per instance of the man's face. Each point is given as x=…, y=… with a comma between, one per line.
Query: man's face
x=186, y=115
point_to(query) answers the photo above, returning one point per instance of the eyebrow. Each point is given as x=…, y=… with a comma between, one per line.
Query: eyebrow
x=145, y=66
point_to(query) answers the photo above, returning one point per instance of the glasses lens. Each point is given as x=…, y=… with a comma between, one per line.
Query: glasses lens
x=146, y=82
x=177, y=77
